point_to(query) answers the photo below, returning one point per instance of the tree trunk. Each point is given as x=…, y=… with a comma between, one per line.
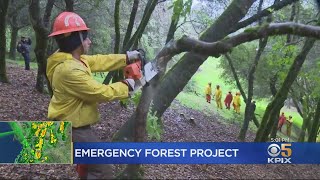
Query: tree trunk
x=40, y=26
x=272, y=85
x=293, y=14
x=305, y=123
x=174, y=22
x=14, y=35
x=274, y=129
x=243, y=94
x=248, y=112
x=146, y=16
x=274, y=107
x=236, y=78
x=130, y=25
x=315, y=125
x=69, y=5
x=3, y=13
x=117, y=27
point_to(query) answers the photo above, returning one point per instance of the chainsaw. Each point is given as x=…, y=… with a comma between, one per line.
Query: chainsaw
x=141, y=71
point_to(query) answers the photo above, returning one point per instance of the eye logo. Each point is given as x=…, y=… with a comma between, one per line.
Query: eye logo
x=274, y=150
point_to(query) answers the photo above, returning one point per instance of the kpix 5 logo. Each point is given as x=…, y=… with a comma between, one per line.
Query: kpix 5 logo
x=274, y=150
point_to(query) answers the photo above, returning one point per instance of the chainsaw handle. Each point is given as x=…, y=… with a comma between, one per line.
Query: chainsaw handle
x=142, y=56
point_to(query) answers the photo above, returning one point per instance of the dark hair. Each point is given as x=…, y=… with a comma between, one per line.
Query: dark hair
x=71, y=42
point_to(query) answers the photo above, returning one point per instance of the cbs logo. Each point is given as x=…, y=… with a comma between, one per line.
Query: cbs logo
x=274, y=150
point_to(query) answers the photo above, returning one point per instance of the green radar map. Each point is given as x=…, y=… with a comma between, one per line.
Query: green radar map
x=39, y=142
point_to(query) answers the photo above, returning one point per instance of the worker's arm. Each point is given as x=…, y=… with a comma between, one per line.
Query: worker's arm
x=103, y=63
x=81, y=85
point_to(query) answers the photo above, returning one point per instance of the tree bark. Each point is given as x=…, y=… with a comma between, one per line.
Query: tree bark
x=266, y=12
x=146, y=16
x=274, y=128
x=306, y=120
x=3, y=13
x=15, y=11
x=272, y=85
x=274, y=107
x=13, y=43
x=117, y=27
x=297, y=107
x=41, y=32
x=248, y=111
x=293, y=14
x=174, y=22
x=130, y=25
x=315, y=125
x=236, y=78
x=69, y=5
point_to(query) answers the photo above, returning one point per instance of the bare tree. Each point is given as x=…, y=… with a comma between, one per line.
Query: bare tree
x=3, y=13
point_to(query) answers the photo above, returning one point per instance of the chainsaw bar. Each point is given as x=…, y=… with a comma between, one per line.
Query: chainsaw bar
x=150, y=70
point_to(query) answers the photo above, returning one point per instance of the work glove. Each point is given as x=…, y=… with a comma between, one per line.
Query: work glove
x=132, y=56
x=131, y=85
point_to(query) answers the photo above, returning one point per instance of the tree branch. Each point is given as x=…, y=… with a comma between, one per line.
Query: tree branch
x=131, y=23
x=146, y=16
x=220, y=47
x=47, y=13
x=116, y=26
x=263, y=13
x=235, y=76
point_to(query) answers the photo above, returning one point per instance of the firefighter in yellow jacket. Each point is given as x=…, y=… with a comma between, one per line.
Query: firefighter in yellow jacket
x=218, y=96
x=75, y=93
x=237, y=102
x=208, y=93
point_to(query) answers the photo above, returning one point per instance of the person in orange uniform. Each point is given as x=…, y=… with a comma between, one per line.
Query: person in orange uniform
x=218, y=95
x=282, y=120
x=227, y=100
x=237, y=102
x=289, y=126
x=208, y=93
x=76, y=93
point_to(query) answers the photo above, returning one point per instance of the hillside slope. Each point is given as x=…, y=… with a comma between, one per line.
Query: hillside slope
x=19, y=101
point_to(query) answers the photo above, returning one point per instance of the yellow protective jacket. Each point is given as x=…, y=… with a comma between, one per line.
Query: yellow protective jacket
x=75, y=93
x=218, y=94
x=208, y=90
x=236, y=100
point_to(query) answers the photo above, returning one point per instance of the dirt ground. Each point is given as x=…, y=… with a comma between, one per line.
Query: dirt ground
x=19, y=101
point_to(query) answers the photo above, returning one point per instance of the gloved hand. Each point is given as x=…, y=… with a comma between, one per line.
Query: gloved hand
x=130, y=83
x=132, y=56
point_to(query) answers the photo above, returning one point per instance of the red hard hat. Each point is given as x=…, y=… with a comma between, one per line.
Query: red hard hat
x=68, y=22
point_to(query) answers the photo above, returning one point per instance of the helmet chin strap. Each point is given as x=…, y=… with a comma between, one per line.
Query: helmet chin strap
x=81, y=38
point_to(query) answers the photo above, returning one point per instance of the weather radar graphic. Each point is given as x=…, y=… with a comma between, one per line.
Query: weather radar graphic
x=35, y=142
